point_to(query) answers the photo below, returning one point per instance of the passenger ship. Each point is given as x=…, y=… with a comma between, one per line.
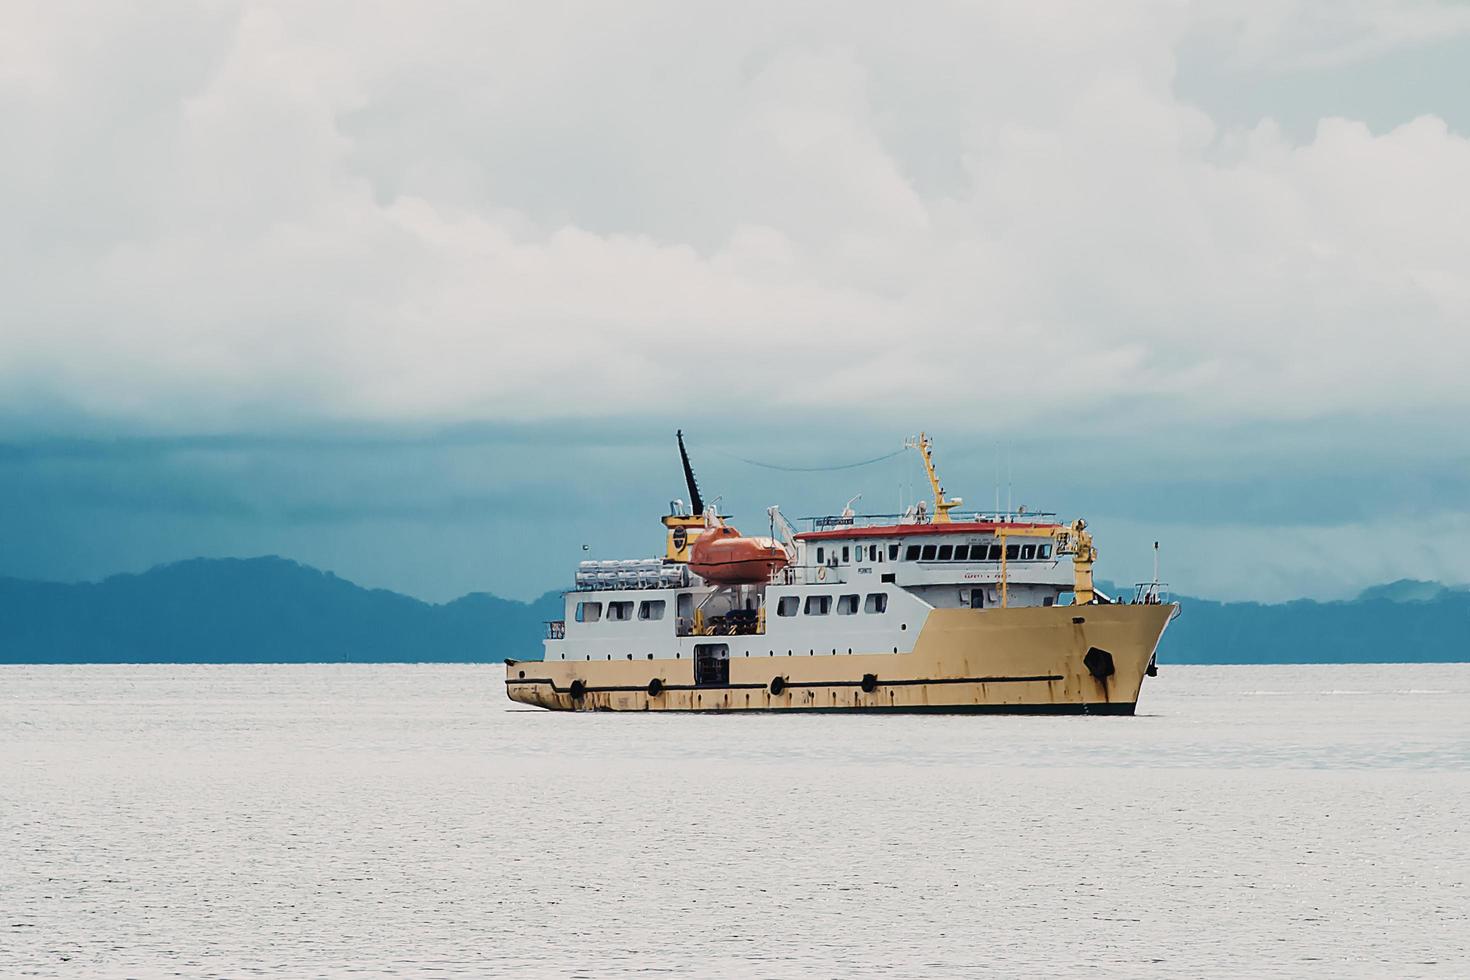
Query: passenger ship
x=928, y=611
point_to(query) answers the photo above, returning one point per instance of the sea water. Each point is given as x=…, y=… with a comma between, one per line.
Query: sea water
x=324, y=820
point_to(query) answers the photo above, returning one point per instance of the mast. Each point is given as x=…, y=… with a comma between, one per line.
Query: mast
x=942, y=506
x=696, y=502
x=684, y=527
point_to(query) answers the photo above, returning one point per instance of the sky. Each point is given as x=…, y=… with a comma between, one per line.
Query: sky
x=419, y=293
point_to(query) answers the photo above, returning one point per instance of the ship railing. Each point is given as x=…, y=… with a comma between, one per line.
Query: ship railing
x=738, y=622
x=1151, y=593
x=556, y=629
x=785, y=575
x=837, y=522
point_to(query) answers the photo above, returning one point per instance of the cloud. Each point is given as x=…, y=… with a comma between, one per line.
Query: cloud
x=236, y=212
x=305, y=254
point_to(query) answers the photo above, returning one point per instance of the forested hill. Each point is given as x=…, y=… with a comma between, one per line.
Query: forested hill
x=271, y=610
x=1402, y=622
x=256, y=610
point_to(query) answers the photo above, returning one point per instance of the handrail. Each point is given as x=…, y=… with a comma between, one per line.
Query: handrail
x=1151, y=593
x=830, y=522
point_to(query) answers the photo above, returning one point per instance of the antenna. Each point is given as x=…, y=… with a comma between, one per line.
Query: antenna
x=1010, y=486
x=1156, y=563
x=696, y=502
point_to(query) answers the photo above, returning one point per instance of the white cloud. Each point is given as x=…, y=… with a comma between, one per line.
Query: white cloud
x=220, y=213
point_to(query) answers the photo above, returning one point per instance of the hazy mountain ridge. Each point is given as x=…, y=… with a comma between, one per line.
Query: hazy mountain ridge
x=255, y=610
x=1385, y=624
x=274, y=610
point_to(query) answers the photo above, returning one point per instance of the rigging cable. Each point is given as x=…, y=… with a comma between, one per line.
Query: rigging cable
x=812, y=469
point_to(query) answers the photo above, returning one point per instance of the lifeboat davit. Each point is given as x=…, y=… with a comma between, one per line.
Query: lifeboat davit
x=724, y=556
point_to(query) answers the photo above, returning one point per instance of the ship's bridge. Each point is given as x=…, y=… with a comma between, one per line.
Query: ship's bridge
x=971, y=560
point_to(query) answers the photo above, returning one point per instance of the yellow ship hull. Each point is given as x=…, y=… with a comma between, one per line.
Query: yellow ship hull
x=1040, y=660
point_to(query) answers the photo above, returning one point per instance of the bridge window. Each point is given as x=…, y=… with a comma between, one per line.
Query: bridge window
x=961, y=552
x=686, y=605
x=912, y=554
x=1028, y=552
x=844, y=554
x=1013, y=551
x=589, y=612
x=818, y=605
x=619, y=611
x=928, y=553
x=821, y=557
x=995, y=552
x=788, y=605
x=893, y=552
x=847, y=605
x=946, y=552
x=859, y=554
x=651, y=609
x=1043, y=551
x=876, y=602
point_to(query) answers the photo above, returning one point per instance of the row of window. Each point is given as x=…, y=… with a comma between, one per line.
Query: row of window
x=821, y=605
x=874, y=553
x=621, y=611
x=977, y=552
x=653, y=609
x=942, y=552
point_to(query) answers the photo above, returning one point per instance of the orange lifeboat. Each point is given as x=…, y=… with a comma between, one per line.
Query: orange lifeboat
x=722, y=555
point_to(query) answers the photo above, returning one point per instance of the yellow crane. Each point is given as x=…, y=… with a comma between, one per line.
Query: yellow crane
x=1075, y=541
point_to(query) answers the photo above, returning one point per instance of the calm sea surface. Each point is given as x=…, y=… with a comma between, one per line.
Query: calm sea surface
x=305, y=820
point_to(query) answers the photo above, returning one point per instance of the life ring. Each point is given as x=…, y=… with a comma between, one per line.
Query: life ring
x=655, y=687
x=870, y=683
x=778, y=684
x=578, y=690
x=822, y=574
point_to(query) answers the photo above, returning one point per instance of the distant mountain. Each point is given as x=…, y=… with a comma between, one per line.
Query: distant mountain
x=271, y=610
x=1410, y=590
x=257, y=610
x=1401, y=622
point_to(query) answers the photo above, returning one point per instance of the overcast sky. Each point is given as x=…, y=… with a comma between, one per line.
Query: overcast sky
x=419, y=292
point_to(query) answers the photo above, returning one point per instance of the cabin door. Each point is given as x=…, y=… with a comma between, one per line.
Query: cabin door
x=711, y=664
x=977, y=598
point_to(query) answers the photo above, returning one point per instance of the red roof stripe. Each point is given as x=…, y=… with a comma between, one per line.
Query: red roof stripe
x=916, y=530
